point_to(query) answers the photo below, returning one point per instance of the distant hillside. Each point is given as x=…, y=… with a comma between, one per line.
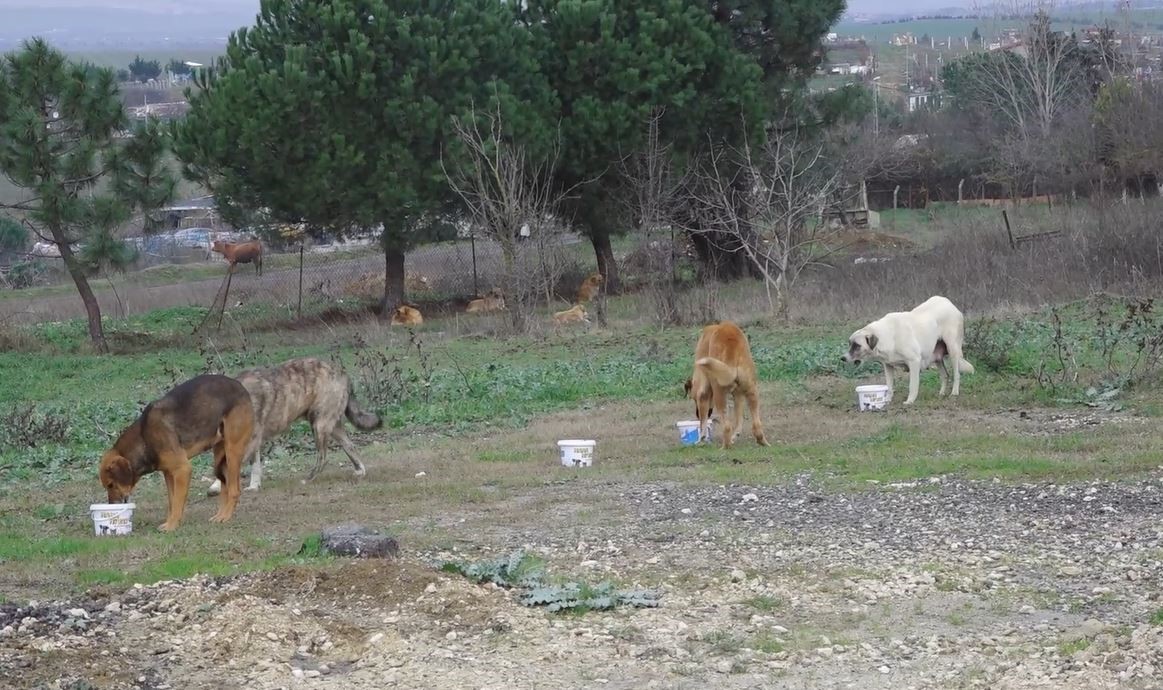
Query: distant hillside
x=109, y=23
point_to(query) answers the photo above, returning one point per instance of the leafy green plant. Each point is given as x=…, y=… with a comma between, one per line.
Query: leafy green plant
x=519, y=570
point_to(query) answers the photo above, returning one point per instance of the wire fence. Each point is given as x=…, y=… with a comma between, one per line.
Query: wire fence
x=297, y=281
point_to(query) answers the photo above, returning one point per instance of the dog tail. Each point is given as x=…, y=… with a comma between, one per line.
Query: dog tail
x=359, y=417
x=719, y=372
x=964, y=366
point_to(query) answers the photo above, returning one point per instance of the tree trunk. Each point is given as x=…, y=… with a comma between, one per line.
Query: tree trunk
x=607, y=264
x=393, y=278
x=92, y=306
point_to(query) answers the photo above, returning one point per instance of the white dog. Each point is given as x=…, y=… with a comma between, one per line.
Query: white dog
x=916, y=339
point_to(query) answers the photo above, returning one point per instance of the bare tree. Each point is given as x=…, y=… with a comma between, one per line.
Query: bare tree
x=652, y=195
x=1028, y=83
x=510, y=195
x=769, y=199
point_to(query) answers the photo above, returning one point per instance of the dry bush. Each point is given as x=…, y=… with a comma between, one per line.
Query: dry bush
x=1101, y=249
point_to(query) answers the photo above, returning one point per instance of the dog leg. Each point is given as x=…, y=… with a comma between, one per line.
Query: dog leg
x=955, y=360
x=888, y=372
x=944, y=371
x=340, y=435
x=914, y=382
x=254, y=451
x=255, y=473
x=756, y=423
x=737, y=403
x=321, y=439
x=177, y=470
x=228, y=456
x=723, y=416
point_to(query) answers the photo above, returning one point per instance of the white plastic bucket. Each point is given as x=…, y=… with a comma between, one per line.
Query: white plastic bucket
x=688, y=431
x=110, y=519
x=577, y=453
x=872, y=397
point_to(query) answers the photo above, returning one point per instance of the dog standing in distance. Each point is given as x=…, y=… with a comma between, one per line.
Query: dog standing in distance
x=724, y=367
x=206, y=412
x=915, y=340
x=589, y=288
x=305, y=388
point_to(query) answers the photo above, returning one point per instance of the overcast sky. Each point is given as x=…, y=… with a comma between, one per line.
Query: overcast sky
x=887, y=6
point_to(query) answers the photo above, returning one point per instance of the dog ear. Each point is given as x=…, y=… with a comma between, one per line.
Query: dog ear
x=117, y=469
x=871, y=341
x=687, y=386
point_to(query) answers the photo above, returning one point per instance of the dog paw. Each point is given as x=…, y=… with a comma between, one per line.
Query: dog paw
x=762, y=441
x=252, y=487
x=361, y=472
x=219, y=517
x=166, y=527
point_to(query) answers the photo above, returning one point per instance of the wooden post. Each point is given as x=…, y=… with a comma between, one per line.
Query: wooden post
x=300, y=309
x=1009, y=233
x=959, y=186
x=894, y=195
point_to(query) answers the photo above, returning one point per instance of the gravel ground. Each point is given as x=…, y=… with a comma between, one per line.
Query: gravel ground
x=941, y=583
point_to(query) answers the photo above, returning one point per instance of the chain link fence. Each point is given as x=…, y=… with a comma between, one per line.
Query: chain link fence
x=294, y=282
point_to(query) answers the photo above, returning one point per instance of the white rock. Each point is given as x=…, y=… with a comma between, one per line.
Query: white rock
x=421, y=475
x=451, y=635
x=884, y=669
x=431, y=588
x=113, y=607
x=375, y=638
x=750, y=498
x=77, y=613
x=297, y=672
x=738, y=575
x=724, y=666
x=685, y=511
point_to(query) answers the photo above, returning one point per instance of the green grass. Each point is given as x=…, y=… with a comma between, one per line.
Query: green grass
x=1068, y=649
x=1156, y=617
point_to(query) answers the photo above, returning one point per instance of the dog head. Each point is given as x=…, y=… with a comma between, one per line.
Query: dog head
x=861, y=345
x=688, y=389
x=117, y=476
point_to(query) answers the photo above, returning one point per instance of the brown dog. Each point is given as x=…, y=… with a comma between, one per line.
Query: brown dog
x=589, y=288
x=407, y=316
x=723, y=366
x=575, y=314
x=208, y=411
x=240, y=253
x=494, y=300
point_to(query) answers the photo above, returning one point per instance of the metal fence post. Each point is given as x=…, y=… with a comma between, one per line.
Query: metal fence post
x=472, y=239
x=300, y=310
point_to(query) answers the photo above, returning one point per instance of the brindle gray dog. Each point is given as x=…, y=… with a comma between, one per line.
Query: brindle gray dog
x=309, y=389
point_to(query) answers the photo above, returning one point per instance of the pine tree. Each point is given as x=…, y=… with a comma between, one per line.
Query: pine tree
x=59, y=123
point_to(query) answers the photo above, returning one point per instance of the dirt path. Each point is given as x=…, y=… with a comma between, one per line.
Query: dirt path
x=793, y=582
x=938, y=585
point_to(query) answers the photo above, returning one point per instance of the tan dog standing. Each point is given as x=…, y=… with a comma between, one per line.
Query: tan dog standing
x=206, y=412
x=724, y=367
x=589, y=288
